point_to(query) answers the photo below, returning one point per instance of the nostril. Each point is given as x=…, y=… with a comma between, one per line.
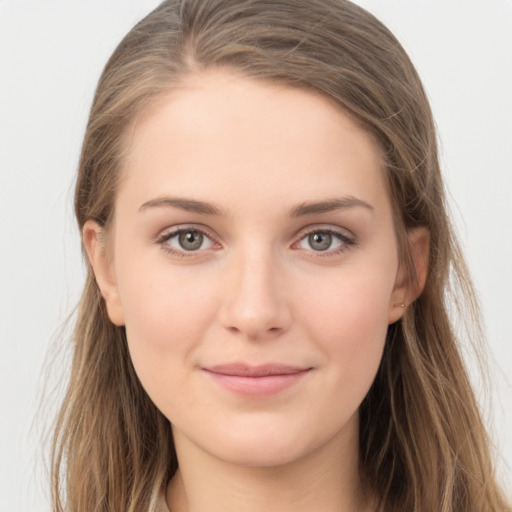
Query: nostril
x=254, y=309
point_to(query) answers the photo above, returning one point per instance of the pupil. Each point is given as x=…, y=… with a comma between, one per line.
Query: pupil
x=191, y=240
x=320, y=241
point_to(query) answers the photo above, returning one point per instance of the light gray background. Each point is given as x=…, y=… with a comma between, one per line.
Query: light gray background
x=51, y=54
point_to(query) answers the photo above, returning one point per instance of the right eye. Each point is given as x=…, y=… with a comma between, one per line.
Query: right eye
x=185, y=240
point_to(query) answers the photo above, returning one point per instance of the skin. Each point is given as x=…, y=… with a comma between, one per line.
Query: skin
x=255, y=291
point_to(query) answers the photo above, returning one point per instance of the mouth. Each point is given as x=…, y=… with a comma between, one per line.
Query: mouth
x=256, y=381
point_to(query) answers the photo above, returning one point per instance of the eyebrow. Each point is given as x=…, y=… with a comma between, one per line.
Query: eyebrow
x=188, y=205
x=303, y=209
x=330, y=205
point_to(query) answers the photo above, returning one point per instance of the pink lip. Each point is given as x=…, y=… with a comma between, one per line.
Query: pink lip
x=263, y=380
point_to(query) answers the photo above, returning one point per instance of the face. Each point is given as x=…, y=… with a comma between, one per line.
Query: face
x=253, y=261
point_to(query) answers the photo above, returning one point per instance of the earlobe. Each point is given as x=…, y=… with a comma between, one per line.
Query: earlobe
x=407, y=290
x=99, y=258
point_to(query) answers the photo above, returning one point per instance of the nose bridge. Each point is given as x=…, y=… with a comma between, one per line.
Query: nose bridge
x=255, y=303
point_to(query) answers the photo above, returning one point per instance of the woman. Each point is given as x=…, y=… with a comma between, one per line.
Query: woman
x=264, y=324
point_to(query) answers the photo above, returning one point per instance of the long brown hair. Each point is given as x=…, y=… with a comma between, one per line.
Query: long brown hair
x=423, y=446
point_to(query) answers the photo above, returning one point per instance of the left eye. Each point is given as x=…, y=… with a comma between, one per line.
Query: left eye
x=321, y=241
x=188, y=240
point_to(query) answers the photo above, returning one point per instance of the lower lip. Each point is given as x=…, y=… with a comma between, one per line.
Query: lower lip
x=257, y=386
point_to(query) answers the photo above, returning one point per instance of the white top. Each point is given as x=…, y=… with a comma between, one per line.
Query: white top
x=162, y=505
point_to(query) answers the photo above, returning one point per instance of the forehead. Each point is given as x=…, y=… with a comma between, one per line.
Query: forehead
x=221, y=137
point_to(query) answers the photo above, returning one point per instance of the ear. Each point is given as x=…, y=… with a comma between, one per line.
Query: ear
x=101, y=263
x=406, y=290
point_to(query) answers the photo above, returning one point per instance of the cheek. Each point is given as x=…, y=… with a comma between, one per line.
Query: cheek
x=349, y=321
x=166, y=317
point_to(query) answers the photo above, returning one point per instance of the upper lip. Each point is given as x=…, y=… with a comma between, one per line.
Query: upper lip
x=264, y=370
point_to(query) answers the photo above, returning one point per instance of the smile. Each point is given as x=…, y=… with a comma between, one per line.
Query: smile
x=256, y=381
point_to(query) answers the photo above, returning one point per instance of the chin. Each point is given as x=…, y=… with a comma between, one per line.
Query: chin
x=260, y=453
x=263, y=443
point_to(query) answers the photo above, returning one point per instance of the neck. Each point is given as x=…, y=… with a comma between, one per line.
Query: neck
x=326, y=480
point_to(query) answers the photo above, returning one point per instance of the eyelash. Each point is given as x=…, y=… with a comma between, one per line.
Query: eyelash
x=165, y=237
x=346, y=241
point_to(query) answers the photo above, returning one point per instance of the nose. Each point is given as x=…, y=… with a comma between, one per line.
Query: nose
x=255, y=302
